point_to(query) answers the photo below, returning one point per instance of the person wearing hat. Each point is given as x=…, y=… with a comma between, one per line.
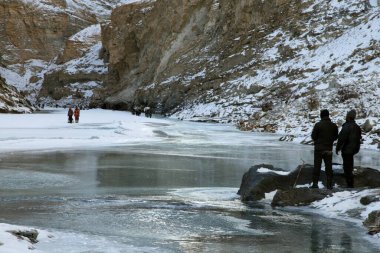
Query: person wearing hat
x=349, y=140
x=324, y=133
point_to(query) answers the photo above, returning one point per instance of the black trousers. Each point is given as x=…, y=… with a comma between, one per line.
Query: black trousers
x=326, y=156
x=348, y=167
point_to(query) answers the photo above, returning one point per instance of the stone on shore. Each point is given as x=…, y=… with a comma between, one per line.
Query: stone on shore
x=299, y=196
x=31, y=235
x=255, y=183
x=373, y=222
x=265, y=178
x=291, y=188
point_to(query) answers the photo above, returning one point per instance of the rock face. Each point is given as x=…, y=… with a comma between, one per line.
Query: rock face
x=252, y=61
x=29, y=31
x=11, y=101
x=32, y=33
x=48, y=44
x=79, y=71
x=185, y=53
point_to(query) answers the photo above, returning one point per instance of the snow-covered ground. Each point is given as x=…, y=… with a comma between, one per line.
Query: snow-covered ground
x=49, y=131
x=96, y=127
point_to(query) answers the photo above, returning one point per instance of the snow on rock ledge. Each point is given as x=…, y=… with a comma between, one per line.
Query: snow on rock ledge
x=11, y=101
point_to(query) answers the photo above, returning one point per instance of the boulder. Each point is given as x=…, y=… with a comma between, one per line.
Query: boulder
x=366, y=177
x=265, y=178
x=299, y=196
x=373, y=222
x=31, y=235
x=254, y=185
x=367, y=126
x=369, y=199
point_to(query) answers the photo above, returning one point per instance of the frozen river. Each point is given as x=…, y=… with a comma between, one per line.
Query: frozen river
x=170, y=190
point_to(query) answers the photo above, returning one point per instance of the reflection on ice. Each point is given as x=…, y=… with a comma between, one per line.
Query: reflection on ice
x=22, y=180
x=213, y=198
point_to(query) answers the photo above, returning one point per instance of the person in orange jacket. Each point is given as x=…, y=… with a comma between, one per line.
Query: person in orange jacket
x=76, y=114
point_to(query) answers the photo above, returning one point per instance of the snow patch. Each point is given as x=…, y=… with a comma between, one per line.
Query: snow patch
x=266, y=170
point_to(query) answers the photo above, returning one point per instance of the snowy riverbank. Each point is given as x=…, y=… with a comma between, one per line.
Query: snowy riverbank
x=344, y=205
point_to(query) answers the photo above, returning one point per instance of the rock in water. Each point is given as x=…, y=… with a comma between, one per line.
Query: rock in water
x=31, y=235
x=265, y=178
x=373, y=222
x=299, y=196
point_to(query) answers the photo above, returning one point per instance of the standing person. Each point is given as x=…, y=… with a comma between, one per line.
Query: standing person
x=324, y=134
x=349, y=143
x=76, y=114
x=70, y=114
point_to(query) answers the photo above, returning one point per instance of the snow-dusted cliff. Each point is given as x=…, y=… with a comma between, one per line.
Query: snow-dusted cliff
x=263, y=65
x=266, y=65
x=37, y=39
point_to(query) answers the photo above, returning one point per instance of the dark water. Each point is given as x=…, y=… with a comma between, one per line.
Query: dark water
x=167, y=197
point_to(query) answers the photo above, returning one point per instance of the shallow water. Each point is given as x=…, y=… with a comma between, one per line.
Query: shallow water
x=178, y=195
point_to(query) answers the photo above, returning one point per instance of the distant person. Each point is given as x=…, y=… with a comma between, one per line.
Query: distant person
x=324, y=133
x=148, y=112
x=349, y=143
x=70, y=115
x=76, y=114
x=137, y=110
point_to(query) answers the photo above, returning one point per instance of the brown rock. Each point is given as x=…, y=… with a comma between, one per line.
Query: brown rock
x=299, y=196
x=31, y=235
x=167, y=53
x=11, y=101
x=373, y=222
x=28, y=32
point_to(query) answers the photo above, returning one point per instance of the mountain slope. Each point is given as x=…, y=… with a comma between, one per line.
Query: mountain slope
x=267, y=65
x=34, y=36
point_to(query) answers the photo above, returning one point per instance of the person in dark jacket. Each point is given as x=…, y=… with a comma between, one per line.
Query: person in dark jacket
x=324, y=134
x=349, y=140
x=70, y=115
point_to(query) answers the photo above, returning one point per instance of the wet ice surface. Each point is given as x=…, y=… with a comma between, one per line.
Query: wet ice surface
x=121, y=200
x=174, y=191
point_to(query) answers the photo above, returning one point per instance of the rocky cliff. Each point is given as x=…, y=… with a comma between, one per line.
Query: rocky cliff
x=37, y=40
x=265, y=65
x=37, y=30
x=268, y=65
x=11, y=101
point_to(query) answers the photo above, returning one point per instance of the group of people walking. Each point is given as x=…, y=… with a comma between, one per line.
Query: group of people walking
x=74, y=113
x=324, y=134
